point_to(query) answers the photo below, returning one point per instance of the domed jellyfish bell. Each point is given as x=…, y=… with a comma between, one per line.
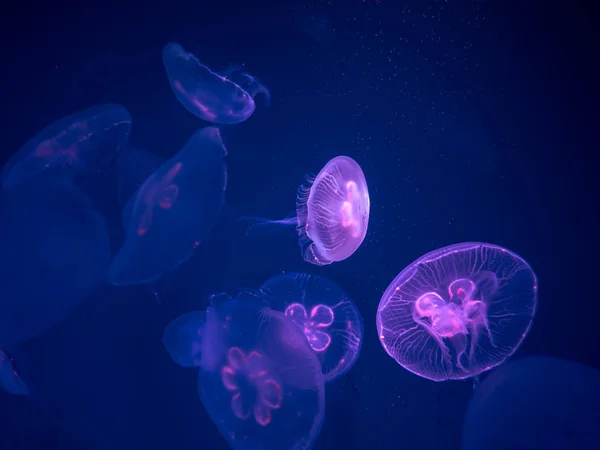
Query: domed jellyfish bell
x=535, y=402
x=332, y=213
x=83, y=142
x=326, y=315
x=458, y=311
x=260, y=381
x=173, y=211
x=10, y=380
x=224, y=99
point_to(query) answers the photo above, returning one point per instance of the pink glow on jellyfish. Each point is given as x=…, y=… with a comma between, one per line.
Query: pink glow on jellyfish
x=326, y=315
x=225, y=99
x=253, y=392
x=173, y=211
x=259, y=380
x=10, y=380
x=83, y=142
x=458, y=311
x=332, y=213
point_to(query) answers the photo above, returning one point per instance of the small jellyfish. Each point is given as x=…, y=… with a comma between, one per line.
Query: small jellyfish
x=183, y=338
x=82, y=142
x=173, y=211
x=457, y=311
x=326, y=315
x=332, y=213
x=226, y=99
x=535, y=403
x=10, y=380
x=259, y=380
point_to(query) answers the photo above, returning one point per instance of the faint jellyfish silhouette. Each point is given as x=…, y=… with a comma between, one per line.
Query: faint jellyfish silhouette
x=332, y=213
x=263, y=387
x=328, y=318
x=183, y=338
x=224, y=99
x=535, y=402
x=134, y=166
x=173, y=211
x=10, y=380
x=82, y=142
x=55, y=253
x=457, y=311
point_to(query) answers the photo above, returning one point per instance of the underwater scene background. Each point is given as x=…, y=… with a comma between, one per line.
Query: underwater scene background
x=472, y=121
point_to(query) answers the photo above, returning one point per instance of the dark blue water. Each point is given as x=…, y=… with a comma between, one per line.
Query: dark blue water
x=472, y=120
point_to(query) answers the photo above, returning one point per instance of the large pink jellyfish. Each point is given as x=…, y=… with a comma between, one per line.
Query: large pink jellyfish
x=457, y=311
x=332, y=212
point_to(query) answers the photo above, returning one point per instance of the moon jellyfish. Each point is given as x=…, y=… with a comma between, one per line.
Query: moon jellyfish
x=326, y=315
x=10, y=380
x=227, y=98
x=82, y=142
x=55, y=252
x=259, y=380
x=535, y=403
x=173, y=211
x=332, y=213
x=457, y=311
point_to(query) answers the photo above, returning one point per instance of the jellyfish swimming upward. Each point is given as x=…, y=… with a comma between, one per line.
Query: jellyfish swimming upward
x=326, y=315
x=458, y=311
x=173, y=211
x=332, y=213
x=82, y=142
x=259, y=380
x=226, y=98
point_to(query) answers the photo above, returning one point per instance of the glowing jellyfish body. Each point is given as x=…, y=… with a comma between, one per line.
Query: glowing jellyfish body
x=332, y=213
x=55, y=252
x=535, y=402
x=457, y=311
x=225, y=99
x=259, y=380
x=82, y=142
x=328, y=318
x=173, y=211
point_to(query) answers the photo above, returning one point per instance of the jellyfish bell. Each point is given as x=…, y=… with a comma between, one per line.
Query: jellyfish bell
x=458, y=311
x=83, y=142
x=326, y=315
x=208, y=95
x=535, y=402
x=332, y=213
x=264, y=387
x=173, y=212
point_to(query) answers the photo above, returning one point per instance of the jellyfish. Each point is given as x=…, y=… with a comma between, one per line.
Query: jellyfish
x=55, y=253
x=535, y=402
x=457, y=311
x=259, y=380
x=225, y=99
x=332, y=213
x=10, y=380
x=82, y=142
x=173, y=211
x=326, y=315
